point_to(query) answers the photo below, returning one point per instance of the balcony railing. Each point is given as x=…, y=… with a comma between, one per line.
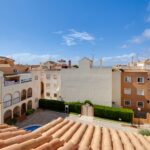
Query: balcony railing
x=7, y=103
x=26, y=80
x=16, y=100
x=11, y=102
x=7, y=83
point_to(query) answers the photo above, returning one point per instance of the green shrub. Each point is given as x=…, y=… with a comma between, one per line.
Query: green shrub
x=113, y=113
x=29, y=112
x=12, y=121
x=99, y=111
x=52, y=105
x=88, y=102
x=144, y=132
x=74, y=107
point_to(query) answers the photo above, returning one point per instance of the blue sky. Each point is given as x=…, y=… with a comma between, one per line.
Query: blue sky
x=32, y=31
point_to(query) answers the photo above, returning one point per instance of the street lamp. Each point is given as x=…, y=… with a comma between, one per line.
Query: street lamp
x=67, y=109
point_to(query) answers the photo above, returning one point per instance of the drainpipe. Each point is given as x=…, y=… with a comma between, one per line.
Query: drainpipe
x=1, y=98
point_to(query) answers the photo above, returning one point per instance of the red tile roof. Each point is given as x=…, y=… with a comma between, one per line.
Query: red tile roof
x=63, y=134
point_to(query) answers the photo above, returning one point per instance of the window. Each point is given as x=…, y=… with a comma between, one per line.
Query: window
x=48, y=94
x=127, y=103
x=48, y=76
x=140, y=79
x=127, y=79
x=127, y=91
x=48, y=85
x=36, y=77
x=140, y=104
x=140, y=91
x=55, y=95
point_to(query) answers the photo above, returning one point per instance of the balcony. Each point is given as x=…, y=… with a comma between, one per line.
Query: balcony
x=8, y=83
x=11, y=80
x=16, y=100
x=7, y=104
x=26, y=80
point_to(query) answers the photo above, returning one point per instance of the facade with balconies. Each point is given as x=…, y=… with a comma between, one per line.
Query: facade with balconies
x=17, y=95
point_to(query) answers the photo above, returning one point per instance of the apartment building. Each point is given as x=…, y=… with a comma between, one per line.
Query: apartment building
x=135, y=89
x=21, y=87
x=90, y=83
x=135, y=85
x=17, y=95
x=48, y=82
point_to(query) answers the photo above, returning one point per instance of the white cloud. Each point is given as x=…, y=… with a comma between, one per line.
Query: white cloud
x=28, y=58
x=124, y=46
x=120, y=59
x=137, y=40
x=74, y=36
x=141, y=38
x=69, y=41
x=58, y=32
x=127, y=26
x=146, y=33
x=147, y=19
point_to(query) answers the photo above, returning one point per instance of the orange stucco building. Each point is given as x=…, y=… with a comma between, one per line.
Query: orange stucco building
x=135, y=89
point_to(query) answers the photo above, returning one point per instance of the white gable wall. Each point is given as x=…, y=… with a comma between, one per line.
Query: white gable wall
x=94, y=84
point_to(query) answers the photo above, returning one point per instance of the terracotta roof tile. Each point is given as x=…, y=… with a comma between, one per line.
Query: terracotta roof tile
x=63, y=134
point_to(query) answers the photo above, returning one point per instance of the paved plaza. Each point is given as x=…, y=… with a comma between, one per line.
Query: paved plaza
x=42, y=117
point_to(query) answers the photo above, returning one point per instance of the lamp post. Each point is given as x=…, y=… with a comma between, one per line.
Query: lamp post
x=139, y=115
x=66, y=109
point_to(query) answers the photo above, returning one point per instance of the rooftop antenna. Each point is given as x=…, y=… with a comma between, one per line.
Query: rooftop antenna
x=132, y=59
x=93, y=57
x=137, y=57
x=101, y=62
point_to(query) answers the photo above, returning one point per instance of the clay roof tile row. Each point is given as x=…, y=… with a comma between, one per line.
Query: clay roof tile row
x=63, y=134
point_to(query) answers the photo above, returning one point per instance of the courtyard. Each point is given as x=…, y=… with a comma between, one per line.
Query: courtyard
x=41, y=117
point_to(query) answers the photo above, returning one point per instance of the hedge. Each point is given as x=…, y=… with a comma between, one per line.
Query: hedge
x=52, y=105
x=12, y=121
x=113, y=113
x=74, y=107
x=88, y=102
x=99, y=111
x=145, y=132
x=30, y=111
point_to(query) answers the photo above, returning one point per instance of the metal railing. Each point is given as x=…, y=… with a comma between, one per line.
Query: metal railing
x=11, y=102
x=8, y=83
x=16, y=100
x=7, y=103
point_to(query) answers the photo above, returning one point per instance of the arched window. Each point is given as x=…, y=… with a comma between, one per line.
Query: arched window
x=42, y=89
x=29, y=105
x=23, y=109
x=16, y=112
x=16, y=98
x=29, y=93
x=7, y=100
x=23, y=95
x=7, y=116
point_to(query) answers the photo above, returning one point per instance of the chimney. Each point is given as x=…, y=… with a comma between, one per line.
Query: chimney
x=69, y=64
